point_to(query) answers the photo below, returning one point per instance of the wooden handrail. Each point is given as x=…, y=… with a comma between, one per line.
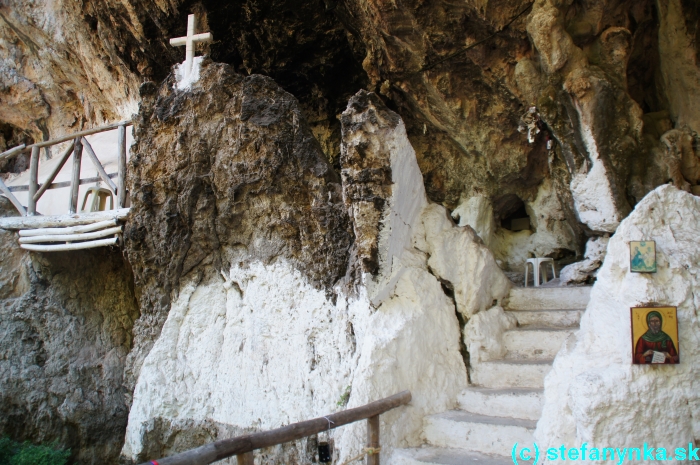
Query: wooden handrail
x=245, y=444
x=25, y=148
x=59, y=185
x=12, y=152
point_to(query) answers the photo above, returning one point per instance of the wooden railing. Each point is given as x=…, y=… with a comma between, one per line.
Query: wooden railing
x=79, y=142
x=243, y=446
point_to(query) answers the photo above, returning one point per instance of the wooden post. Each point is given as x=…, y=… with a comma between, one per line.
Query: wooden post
x=121, y=177
x=75, y=180
x=52, y=176
x=33, y=181
x=245, y=459
x=373, y=439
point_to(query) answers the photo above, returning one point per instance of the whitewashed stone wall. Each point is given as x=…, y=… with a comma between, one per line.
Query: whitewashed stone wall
x=594, y=394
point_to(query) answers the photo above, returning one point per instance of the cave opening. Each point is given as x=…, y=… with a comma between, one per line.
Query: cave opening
x=510, y=212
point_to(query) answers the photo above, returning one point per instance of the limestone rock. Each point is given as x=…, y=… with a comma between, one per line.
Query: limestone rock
x=581, y=272
x=594, y=393
x=65, y=330
x=226, y=173
x=678, y=54
x=460, y=259
x=483, y=334
x=259, y=341
x=477, y=213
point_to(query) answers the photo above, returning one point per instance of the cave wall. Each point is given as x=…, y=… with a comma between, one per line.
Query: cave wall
x=609, y=80
x=66, y=323
x=612, y=82
x=271, y=288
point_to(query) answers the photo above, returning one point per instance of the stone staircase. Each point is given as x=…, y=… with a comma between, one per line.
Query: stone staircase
x=505, y=401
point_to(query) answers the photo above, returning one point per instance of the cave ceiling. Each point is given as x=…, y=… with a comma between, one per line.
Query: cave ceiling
x=74, y=63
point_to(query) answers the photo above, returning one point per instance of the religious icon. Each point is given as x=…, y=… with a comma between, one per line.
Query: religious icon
x=654, y=335
x=643, y=256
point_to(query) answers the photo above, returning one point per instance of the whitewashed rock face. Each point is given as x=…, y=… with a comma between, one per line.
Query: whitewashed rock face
x=458, y=257
x=183, y=78
x=594, y=394
x=591, y=189
x=258, y=346
x=579, y=272
x=483, y=334
x=476, y=212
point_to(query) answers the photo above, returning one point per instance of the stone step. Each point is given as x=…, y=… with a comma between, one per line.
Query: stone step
x=534, y=343
x=508, y=373
x=478, y=433
x=445, y=456
x=553, y=318
x=504, y=402
x=548, y=298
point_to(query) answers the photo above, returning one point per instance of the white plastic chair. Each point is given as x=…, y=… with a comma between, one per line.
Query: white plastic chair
x=98, y=199
x=536, y=263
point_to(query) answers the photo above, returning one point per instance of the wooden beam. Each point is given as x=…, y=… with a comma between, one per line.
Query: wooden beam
x=6, y=190
x=68, y=229
x=100, y=169
x=59, y=185
x=12, y=152
x=240, y=445
x=121, y=167
x=86, y=132
x=372, y=440
x=75, y=179
x=35, y=222
x=71, y=237
x=52, y=176
x=73, y=246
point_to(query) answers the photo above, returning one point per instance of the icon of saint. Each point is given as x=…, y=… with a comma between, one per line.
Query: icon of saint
x=655, y=346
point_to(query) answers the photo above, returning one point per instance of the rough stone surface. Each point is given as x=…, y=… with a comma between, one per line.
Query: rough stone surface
x=483, y=334
x=608, y=79
x=227, y=173
x=582, y=272
x=594, y=393
x=476, y=212
x=59, y=66
x=232, y=329
x=65, y=330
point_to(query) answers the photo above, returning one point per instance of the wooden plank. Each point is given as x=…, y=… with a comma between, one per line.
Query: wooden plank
x=239, y=445
x=121, y=167
x=33, y=181
x=12, y=152
x=74, y=246
x=70, y=237
x=68, y=230
x=6, y=190
x=86, y=132
x=59, y=185
x=100, y=169
x=54, y=173
x=59, y=221
x=372, y=440
x=245, y=459
x=75, y=179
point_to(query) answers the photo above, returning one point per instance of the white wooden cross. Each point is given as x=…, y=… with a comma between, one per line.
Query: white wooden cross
x=188, y=41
